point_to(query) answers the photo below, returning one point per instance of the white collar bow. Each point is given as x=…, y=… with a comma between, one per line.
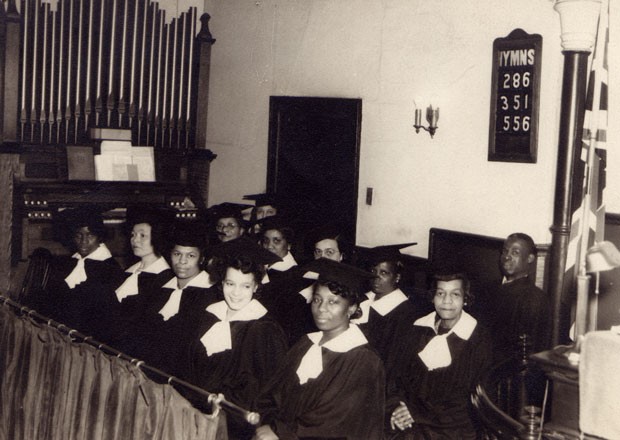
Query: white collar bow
x=218, y=338
x=78, y=274
x=311, y=365
x=436, y=353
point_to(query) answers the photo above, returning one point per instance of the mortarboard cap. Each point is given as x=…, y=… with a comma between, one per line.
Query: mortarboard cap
x=380, y=254
x=187, y=234
x=226, y=210
x=245, y=247
x=277, y=221
x=263, y=199
x=341, y=273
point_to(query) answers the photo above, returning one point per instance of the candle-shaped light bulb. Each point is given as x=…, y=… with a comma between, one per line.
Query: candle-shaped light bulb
x=432, y=115
x=418, y=117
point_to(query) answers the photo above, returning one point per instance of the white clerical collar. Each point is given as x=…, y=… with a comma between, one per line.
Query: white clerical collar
x=307, y=293
x=287, y=262
x=100, y=254
x=253, y=310
x=157, y=266
x=463, y=328
x=345, y=341
x=200, y=280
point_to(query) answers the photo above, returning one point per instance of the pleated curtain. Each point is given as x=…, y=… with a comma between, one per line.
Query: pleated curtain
x=54, y=388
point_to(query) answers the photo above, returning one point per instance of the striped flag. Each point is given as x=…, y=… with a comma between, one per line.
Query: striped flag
x=588, y=219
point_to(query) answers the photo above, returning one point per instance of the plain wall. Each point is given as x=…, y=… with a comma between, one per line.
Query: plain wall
x=390, y=54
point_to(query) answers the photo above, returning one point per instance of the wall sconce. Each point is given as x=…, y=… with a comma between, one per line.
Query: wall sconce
x=432, y=116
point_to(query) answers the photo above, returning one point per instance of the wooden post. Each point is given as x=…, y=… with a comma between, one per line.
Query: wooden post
x=569, y=146
x=204, y=41
x=9, y=72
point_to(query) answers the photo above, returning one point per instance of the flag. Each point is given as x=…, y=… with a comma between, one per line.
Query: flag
x=588, y=218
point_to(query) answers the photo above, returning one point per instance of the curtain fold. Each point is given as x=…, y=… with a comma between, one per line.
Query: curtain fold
x=54, y=388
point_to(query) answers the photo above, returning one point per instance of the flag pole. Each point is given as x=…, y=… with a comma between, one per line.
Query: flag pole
x=576, y=44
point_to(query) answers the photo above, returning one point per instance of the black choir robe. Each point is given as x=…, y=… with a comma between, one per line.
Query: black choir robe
x=520, y=307
x=345, y=401
x=385, y=323
x=163, y=343
x=439, y=399
x=85, y=306
x=286, y=303
x=257, y=348
x=128, y=308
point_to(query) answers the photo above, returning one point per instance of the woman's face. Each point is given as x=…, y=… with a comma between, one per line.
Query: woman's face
x=141, y=241
x=85, y=241
x=228, y=228
x=331, y=312
x=448, y=301
x=386, y=279
x=239, y=288
x=265, y=211
x=327, y=248
x=274, y=241
x=186, y=262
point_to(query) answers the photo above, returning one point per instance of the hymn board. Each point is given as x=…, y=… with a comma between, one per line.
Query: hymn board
x=515, y=92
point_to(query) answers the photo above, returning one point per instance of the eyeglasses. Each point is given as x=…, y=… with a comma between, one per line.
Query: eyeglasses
x=222, y=226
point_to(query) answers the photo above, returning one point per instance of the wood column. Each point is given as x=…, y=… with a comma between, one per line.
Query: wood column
x=569, y=145
x=9, y=72
x=204, y=41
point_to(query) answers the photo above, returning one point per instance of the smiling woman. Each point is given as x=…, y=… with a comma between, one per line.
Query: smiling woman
x=238, y=345
x=443, y=356
x=318, y=393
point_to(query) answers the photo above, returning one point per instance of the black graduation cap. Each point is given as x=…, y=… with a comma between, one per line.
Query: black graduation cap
x=226, y=210
x=263, y=199
x=380, y=254
x=341, y=273
x=187, y=234
x=245, y=247
x=152, y=216
x=277, y=221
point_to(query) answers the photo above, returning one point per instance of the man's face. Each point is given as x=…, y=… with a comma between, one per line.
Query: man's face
x=515, y=259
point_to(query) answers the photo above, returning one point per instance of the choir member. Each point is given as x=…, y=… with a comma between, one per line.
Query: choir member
x=387, y=311
x=149, y=242
x=227, y=221
x=265, y=205
x=519, y=307
x=168, y=322
x=442, y=360
x=82, y=286
x=277, y=237
x=239, y=345
x=331, y=384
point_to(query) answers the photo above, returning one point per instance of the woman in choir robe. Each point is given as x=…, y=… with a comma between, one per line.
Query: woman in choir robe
x=239, y=345
x=265, y=205
x=148, y=241
x=332, y=382
x=387, y=311
x=277, y=237
x=168, y=322
x=227, y=221
x=444, y=357
x=82, y=286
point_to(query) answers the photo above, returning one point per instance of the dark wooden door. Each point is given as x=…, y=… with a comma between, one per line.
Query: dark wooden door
x=314, y=158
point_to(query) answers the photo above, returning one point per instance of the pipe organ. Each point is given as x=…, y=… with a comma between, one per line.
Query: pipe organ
x=108, y=64
x=72, y=69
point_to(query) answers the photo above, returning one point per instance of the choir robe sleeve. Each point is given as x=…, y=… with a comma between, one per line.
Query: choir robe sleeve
x=345, y=401
x=258, y=349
